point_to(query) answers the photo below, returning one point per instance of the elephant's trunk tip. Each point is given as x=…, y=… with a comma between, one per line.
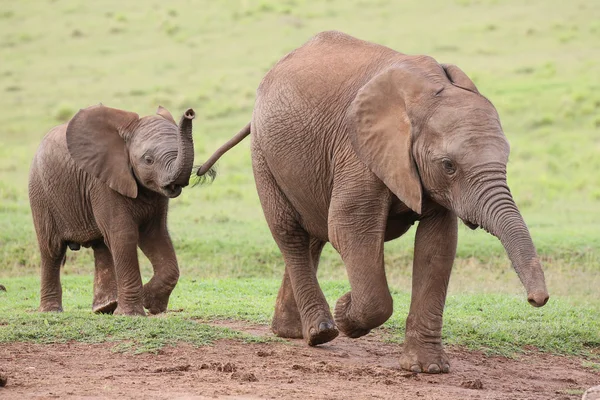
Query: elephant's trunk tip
x=538, y=299
x=189, y=114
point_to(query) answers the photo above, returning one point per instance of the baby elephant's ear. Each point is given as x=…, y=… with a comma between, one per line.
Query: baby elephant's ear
x=163, y=112
x=96, y=141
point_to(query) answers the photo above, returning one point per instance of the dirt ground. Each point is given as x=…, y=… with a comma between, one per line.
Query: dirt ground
x=366, y=368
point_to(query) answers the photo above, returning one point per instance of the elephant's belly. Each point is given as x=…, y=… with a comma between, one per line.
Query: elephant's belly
x=397, y=227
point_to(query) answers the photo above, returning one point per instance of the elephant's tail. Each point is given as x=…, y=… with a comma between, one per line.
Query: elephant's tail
x=207, y=169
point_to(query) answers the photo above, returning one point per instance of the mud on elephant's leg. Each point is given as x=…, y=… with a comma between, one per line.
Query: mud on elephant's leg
x=435, y=248
x=157, y=246
x=105, y=281
x=286, y=320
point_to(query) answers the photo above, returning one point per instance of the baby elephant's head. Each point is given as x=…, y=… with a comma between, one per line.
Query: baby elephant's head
x=122, y=150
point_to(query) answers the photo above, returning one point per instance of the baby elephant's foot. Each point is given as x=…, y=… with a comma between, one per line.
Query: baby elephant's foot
x=429, y=359
x=51, y=307
x=156, y=301
x=105, y=307
x=104, y=303
x=131, y=310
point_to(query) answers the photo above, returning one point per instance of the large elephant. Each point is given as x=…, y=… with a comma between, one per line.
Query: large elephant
x=352, y=143
x=104, y=180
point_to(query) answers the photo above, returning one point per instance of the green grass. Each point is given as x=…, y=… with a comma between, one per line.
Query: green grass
x=496, y=324
x=537, y=61
x=20, y=321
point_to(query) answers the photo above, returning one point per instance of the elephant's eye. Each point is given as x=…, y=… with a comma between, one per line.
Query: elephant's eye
x=448, y=166
x=148, y=160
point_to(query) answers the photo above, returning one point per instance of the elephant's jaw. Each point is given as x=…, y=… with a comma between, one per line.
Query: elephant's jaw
x=172, y=190
x=470, y=224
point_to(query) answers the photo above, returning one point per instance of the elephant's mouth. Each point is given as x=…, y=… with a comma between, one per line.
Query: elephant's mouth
x=172, y=190
x=470, y=224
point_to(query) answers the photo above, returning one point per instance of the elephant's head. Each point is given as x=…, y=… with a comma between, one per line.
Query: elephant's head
x=122, y=150
x=425, y=131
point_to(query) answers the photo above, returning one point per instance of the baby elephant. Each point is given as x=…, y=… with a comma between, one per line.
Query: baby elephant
x=104, y=180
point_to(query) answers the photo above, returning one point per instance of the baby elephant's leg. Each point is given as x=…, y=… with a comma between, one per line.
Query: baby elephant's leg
x=157, y=246
x=51, y=292
x=105, y=282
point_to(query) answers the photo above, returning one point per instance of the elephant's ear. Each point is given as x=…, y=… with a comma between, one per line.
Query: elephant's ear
x=96, y=141
x=163, y=112
x=459, y=78
x=381, y=130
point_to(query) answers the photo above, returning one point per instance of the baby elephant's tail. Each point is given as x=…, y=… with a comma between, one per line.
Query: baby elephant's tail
x=206, y=169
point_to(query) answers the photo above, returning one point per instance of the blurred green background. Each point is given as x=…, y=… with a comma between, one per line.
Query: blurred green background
x=537, y=61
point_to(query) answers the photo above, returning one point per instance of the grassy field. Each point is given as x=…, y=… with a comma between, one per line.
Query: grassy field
x=537, y=61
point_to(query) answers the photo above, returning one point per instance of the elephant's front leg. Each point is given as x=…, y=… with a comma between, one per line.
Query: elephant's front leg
x=357, y=225
x=435, y=248
x=156, y=244
x=105, y=281
x=123, y=246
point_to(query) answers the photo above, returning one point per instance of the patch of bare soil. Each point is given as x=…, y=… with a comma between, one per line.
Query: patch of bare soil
x=365, y=368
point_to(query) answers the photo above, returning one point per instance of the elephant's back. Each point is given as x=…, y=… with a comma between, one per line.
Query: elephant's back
x=310, y=89
x=59, y=190
x=50, y=162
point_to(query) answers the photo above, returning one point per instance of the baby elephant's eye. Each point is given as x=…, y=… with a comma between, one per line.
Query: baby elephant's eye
x=448, y=165
x=148, y=160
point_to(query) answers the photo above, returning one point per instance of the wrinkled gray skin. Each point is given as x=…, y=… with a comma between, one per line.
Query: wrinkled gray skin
x=352, y=143
x=104, y=180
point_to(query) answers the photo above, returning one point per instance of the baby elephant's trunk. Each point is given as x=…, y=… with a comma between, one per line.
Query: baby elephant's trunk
x=185, y=150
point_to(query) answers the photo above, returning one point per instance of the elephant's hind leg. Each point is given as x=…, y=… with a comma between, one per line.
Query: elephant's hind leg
x=286, y=320
x=105, y=281
x=52, y=257
x=294, y=242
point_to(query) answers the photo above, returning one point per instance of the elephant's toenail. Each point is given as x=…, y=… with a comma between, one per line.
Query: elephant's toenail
x=446, y=368
x=325, y=326
x=433, y=369
x=415, y=368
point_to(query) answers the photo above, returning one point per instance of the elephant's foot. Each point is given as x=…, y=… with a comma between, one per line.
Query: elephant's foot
x=131, y=310
x=345, y=324
x=427, y=358
x=108, y=306
x=50, y=307
x=155, y=301
x=323, y=332
x=105, y=299
x=287, y=324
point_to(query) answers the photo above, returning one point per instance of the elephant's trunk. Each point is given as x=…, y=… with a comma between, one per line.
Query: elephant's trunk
x=498, y=214
x=182, y=168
